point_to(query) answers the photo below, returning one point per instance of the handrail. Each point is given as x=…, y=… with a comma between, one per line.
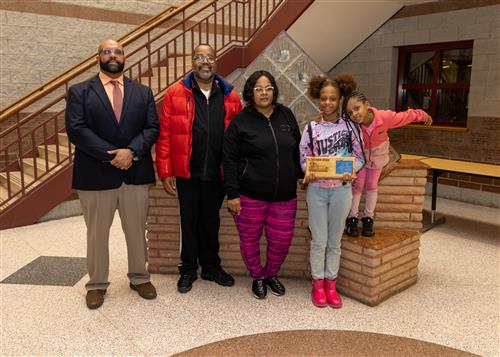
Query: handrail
x=86, y=64
x=158, y=55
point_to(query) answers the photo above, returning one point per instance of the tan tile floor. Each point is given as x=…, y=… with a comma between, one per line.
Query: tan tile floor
x=455, y=302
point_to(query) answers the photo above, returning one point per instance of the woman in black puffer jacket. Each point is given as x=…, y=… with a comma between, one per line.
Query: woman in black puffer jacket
x=261, y=169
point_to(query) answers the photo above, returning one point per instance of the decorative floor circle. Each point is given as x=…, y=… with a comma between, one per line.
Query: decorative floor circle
x=303, y=343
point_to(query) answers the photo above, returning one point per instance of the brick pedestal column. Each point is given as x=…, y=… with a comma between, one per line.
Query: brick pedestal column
x=373, y=269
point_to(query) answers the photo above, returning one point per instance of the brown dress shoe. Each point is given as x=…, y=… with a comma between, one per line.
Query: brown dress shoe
x=95, y=298
x=146, y=290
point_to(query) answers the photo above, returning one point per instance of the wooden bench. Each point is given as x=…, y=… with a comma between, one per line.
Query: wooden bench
x=439, y=166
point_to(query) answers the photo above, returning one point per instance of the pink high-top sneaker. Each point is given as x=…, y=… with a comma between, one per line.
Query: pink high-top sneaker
x=332, y=297
x=318, y=295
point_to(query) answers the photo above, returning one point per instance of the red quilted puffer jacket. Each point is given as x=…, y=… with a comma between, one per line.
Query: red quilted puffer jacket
x=173, y=147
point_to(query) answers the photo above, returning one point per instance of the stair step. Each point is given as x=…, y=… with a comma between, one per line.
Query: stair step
x=29, y=166
x=3, y=194
x=15, y=180
x=162, y=71
x=64, y=141
x=52, y=153
x=154, y=81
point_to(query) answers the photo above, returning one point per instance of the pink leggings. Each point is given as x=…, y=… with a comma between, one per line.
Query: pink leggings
x=365, y=178
x=278, y=219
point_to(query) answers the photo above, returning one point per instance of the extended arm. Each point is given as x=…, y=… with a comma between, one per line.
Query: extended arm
x=396, y=120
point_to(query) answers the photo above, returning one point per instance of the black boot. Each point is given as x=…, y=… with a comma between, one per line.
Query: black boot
x=367, y=227
x=351, y=226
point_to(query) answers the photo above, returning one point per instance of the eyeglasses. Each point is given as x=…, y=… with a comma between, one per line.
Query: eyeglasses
x=264, y=89
x=109, y=51
x=202, y=58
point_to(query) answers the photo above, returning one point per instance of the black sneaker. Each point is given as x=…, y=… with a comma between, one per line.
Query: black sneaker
x=259, y=289
x=351, y=226
x=185, y=282
x=367, y=230
x=275, y=285
x=219, y=276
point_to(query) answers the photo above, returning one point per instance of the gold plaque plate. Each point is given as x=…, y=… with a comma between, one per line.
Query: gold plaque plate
x=331, y=167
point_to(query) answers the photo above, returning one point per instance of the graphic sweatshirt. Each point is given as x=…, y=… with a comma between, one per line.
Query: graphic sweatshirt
x=338, y=139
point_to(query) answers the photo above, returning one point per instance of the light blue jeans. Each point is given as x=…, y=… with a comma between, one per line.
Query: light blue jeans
x=328, y=209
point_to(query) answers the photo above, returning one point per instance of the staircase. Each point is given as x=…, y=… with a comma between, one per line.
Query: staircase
x=35, y=170
x=165, y=74
x=35, y=155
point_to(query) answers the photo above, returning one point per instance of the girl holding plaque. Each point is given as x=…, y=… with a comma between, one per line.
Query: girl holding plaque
x=374, y=125
x=329, y=199
x=261, y=169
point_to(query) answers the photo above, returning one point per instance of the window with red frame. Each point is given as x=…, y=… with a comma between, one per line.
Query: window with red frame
x=436, y=78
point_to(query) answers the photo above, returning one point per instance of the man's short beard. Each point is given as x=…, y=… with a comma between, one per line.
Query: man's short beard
x=204, y=78
x=115, y=69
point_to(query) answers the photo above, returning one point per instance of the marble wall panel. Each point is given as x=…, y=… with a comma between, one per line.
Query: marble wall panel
x=292, y=69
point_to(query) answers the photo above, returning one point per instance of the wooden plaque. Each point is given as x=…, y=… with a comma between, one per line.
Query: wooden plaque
x=331, y=167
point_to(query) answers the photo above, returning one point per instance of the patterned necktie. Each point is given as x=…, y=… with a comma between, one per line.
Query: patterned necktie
x=117, y=100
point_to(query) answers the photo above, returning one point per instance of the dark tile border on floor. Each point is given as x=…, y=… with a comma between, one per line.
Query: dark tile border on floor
x=47, y=270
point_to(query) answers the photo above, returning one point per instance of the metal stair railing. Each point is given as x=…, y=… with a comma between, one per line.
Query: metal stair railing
x=158, y=54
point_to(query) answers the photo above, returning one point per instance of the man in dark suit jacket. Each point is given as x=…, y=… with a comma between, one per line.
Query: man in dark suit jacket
x=113, y=123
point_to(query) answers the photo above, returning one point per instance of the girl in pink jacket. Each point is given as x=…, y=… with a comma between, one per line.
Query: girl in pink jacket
x=374, y=125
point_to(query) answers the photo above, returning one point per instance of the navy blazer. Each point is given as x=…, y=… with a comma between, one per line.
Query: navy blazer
x=92, y=127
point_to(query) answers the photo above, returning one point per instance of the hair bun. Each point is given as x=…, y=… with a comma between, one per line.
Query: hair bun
x=346, y=83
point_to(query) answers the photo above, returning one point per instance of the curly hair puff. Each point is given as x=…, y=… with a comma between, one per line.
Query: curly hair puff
x=248, y=88
x=345, y=83
x=316, y=83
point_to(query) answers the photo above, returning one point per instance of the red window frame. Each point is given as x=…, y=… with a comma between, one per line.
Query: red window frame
x=435, y=85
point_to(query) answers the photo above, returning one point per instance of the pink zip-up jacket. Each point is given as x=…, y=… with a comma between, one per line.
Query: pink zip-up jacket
x=376, y=138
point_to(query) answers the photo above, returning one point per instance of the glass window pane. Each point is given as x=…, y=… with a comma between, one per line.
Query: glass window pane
x=456, y=65
x=452, y=106
x=416, y=99
x=419, y=67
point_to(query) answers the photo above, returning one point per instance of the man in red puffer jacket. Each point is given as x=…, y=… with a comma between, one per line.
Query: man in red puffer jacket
x=196, y=112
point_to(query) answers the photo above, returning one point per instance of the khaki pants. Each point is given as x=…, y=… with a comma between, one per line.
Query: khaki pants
x=98, y=211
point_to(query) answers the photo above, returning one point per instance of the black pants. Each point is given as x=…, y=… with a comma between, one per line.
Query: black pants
x=200, y=203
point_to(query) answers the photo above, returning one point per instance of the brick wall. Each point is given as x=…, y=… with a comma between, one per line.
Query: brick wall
x=478, y=143
x=401, y=197
x=479, y=183
x=481, y=135
x=163, y=235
